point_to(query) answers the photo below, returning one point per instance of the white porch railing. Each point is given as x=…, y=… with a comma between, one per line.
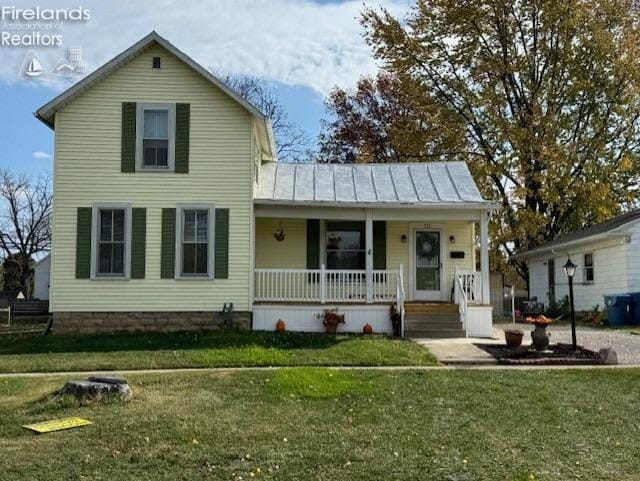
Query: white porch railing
x=471, y=284
x=324, y=285
x=467, y=290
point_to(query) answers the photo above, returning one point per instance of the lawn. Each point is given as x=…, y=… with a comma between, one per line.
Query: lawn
x=212, y=349
x=320, y=424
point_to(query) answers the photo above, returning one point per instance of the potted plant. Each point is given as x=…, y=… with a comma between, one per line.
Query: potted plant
x=331, y=319
x=367, y=329
x=513, y=337
x=540, y=336
x=396, y=320
x=280, y=326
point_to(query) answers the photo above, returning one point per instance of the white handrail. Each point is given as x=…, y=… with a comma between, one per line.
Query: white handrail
x=400, y=298
x=460, y=294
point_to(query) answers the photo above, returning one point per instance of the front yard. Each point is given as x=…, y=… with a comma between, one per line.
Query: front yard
x=212, y=349
x=313, y=423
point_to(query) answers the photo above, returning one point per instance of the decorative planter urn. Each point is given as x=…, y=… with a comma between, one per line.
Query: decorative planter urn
x=540, y=337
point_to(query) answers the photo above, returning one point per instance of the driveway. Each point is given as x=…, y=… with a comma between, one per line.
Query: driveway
x=625, y=344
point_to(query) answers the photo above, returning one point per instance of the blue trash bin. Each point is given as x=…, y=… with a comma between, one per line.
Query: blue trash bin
x=635, y=308
x=618, y=309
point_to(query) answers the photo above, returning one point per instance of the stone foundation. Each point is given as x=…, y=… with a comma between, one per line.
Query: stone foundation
x=99, y=322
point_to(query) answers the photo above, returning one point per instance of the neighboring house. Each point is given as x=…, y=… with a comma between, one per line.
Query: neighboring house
x=169, y=202
x=607, y=256
x=42, y=273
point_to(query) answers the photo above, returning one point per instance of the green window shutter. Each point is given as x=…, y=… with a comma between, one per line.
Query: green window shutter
x=83, y=243
x=313, y=244
x=128, y=137
x=221, y=248
x=182, y=138
x=379, y=244
x=138, y=242
x=168, y=244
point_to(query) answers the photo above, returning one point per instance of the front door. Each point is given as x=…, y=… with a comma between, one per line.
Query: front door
x=427, y=265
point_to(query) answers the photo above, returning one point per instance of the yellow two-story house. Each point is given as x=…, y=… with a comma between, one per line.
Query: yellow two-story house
x=170, y=204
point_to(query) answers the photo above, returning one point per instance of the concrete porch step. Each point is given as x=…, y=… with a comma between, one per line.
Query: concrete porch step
x=434, y=333
x=430, y=308
x=432, y=317
x=417, y=325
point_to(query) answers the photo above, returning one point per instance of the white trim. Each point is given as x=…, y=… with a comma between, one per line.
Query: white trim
x=180, y=208
x=441, y=228
x=368, y=254
x=348, y=212
x=484, y=258
x=95, y=208
x=171, y=155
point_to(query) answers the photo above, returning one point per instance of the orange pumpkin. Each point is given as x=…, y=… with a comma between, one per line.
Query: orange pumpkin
x=367, y=329
x=280, y=327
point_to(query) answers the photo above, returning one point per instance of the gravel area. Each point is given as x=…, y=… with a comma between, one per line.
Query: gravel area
x=625, y=344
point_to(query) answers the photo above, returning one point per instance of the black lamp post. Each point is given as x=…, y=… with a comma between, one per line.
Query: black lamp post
x=570, y=271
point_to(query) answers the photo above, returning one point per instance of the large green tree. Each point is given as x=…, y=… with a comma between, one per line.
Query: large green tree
x=547, y=96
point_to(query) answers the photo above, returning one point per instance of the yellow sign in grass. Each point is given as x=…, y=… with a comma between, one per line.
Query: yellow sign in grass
x=57, y=425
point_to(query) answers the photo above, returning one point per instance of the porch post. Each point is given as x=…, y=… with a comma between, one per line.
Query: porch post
x=484, y=256
x=368, y=242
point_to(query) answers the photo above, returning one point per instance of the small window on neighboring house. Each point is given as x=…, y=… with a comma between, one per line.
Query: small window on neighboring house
x=156, y=136
x=156, y=62
x=195, y=242
x=588, y=268
x=111, y=242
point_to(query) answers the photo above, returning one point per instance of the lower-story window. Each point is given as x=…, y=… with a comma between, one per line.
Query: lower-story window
x=195, y=241
x=345, y=245
x=112, y=238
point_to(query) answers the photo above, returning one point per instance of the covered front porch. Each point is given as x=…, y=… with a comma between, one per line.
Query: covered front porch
x=364, y=257
x=363, y=261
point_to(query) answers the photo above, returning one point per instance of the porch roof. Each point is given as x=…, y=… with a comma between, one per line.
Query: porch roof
x=388, y=185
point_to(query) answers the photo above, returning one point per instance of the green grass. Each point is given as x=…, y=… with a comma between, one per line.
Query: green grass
x=320, y=424
x=214, y=349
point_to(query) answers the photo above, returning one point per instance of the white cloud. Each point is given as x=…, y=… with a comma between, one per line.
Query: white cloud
x=296, y=42
x=38, y=154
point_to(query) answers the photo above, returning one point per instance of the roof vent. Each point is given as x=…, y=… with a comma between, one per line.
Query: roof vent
x=156, y=62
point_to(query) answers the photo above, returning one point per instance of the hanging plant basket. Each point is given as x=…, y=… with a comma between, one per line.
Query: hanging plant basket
x=279, y=234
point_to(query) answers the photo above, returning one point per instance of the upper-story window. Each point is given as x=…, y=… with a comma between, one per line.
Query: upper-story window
x=155, y=137
x=588, y=268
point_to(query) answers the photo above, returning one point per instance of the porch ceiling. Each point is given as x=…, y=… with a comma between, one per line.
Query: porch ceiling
x=387, y=185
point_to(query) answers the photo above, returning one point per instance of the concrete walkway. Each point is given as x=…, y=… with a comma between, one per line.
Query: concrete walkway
x=459, y=351
x=463, y=352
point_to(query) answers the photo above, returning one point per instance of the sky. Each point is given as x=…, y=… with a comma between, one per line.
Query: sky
x=303, y=47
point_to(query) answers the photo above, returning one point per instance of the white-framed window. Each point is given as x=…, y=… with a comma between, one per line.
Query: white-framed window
x=111, y=246
x=155, y=136
x=589, y=273
x=195, y=241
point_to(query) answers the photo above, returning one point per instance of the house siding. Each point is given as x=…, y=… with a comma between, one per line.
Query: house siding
x=614, y=265
x=88, y=169
x=291, y=253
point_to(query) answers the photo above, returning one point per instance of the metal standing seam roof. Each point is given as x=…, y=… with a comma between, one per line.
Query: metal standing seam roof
x=420, y=184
